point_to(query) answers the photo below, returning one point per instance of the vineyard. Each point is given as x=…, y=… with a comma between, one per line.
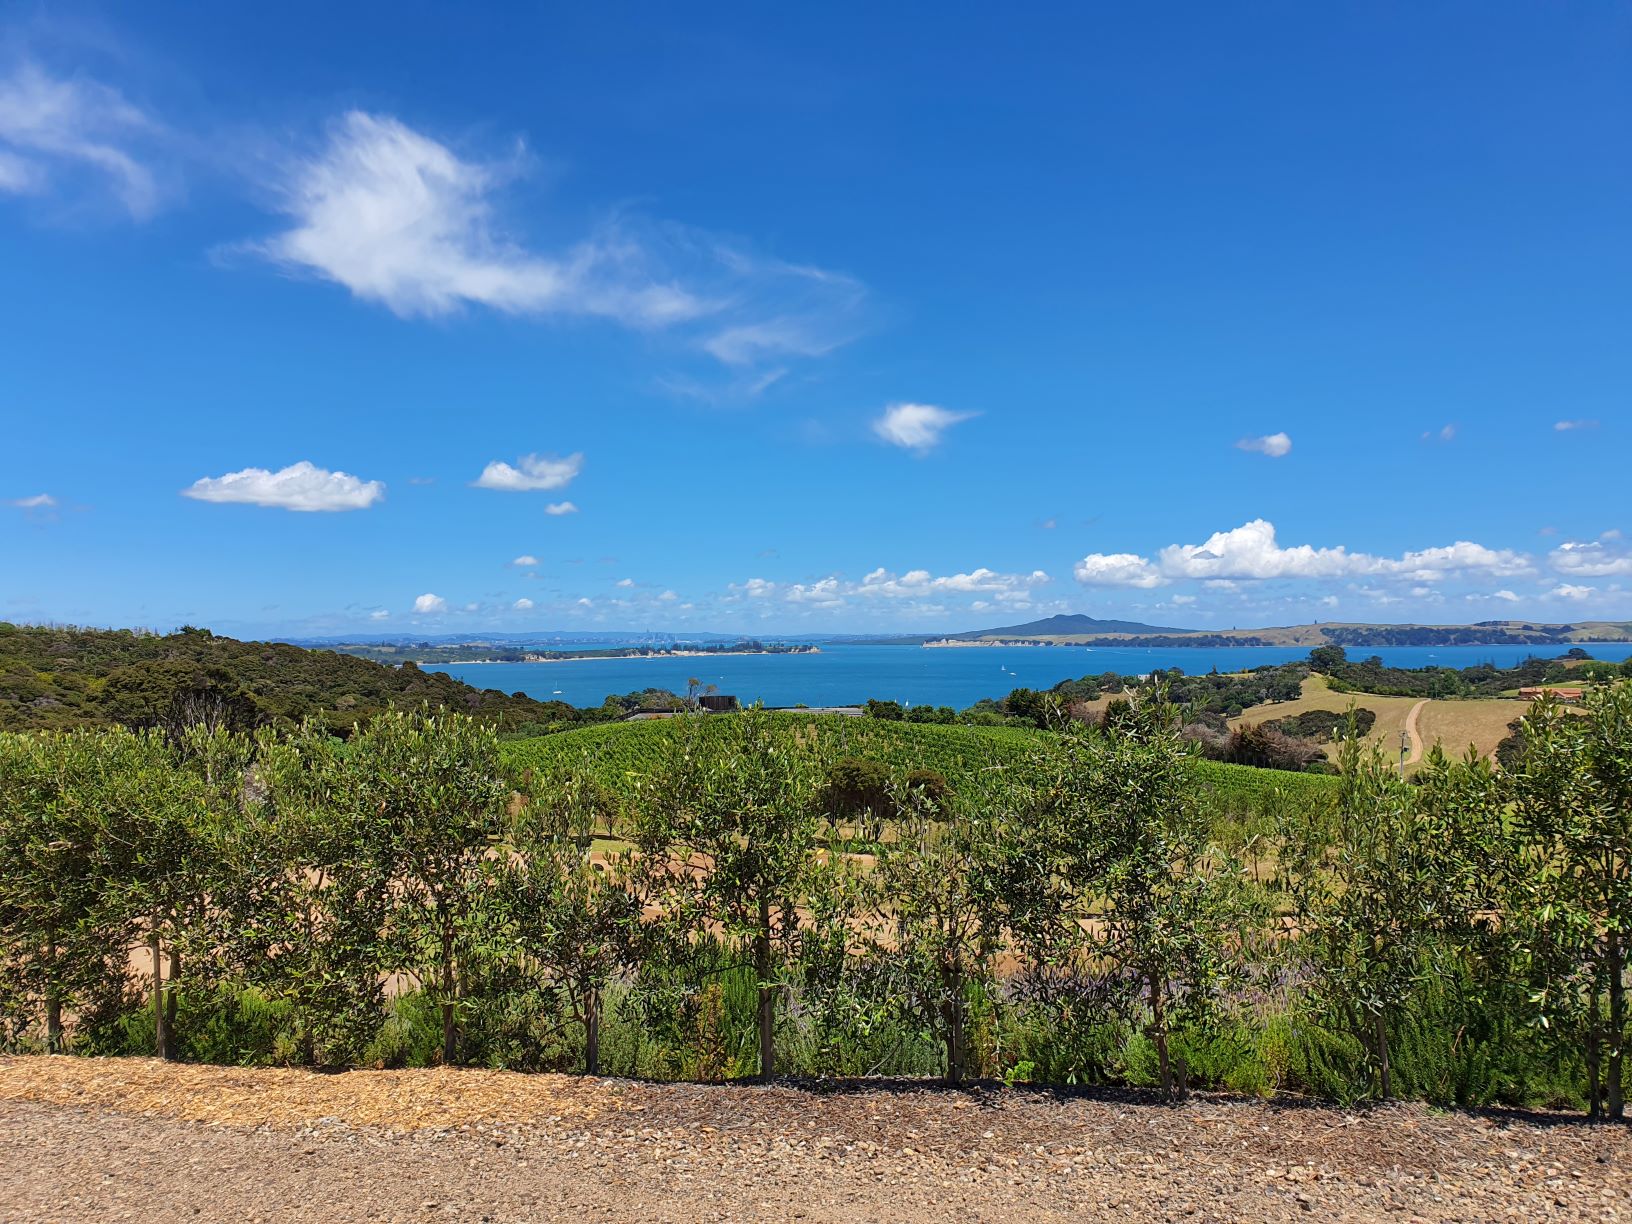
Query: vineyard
x=619, y=755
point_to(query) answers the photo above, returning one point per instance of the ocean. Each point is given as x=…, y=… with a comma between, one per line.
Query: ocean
x=914, y=675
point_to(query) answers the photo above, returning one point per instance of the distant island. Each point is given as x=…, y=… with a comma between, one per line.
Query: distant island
x=1079, y=630
x=488, y=652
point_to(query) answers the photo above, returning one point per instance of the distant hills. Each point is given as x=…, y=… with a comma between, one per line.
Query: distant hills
x=55, y=678
x=1072, y=625
x=1080, y=630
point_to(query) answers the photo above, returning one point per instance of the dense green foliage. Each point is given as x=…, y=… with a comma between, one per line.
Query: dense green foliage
x=56, y=678
x=1371, y=675
x=735, y=894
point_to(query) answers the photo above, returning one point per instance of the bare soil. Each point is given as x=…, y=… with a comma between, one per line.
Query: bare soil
x=88, y=1139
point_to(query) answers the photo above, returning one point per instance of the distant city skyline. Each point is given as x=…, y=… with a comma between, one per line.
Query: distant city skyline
x=742, y=320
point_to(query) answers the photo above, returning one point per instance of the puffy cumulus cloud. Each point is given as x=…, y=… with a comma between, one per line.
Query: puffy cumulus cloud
x=625, y=583
x=1275, y=445
x=301, y=486
x=754, y=588
x=1595, y=559
x=53, y=127
x=1117, y=569
x=1252, y=552
x=668, y=597
x=917, y=426
x=557, y=509
x=430, y=605
x=523, y=604
x=531, y=474
x=1566, y=590
x=825, y=593
x=379, y=614
x=525, y=561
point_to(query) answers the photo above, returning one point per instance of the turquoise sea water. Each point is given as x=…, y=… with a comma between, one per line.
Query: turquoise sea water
x=848, y=675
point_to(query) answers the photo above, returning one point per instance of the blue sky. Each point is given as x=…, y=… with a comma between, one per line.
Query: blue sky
x=748, y=318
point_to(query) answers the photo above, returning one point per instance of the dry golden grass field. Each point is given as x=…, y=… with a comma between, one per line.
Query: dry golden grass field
x=1454, y=725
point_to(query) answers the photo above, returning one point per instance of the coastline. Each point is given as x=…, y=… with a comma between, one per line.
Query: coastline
x=618, y=658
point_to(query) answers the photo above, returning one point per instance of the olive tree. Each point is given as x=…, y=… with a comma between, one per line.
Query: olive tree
x=938, y=913
x=1573, y=806
x=571, y=917
x=735, y=824
x=1366, y=900
x=61, y=947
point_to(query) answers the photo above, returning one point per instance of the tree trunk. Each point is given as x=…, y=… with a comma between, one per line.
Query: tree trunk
x=955, y=1056
x=1158, y=1031
x=1617, y=1025
x=1385, y=1081
x=53, y=1001
x=767, y=993
x=1594, y=1103
x=592, y=1031
x=450, y=1029
x=171, y=998
x=161, y=1034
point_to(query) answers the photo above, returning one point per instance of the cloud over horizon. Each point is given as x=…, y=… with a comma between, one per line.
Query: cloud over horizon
x=1252, y=552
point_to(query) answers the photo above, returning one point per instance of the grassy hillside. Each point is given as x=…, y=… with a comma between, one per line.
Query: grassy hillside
x=618, y=754
x=62, y=677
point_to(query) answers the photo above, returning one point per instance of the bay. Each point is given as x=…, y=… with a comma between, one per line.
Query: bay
x=914, y=675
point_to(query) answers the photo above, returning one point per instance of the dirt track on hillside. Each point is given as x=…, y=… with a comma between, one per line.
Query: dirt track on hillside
x=85, y=1140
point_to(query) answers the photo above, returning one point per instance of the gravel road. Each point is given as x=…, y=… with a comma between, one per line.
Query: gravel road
x=84, y=1139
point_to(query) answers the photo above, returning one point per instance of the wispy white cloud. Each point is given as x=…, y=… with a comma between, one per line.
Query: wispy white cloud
x=52, y=127
x=916, y=426
x=1252, y=552
x=1566, y=426
x=525, y=561
x=523, y=604
x=301, y=486
x=430, y=605
x=379, y=614
x=560, y=508
x=1274, y=445
x=531, y=473
x=39, y=501
x=1572, y=591
x=400, y=219
x=1445, y=433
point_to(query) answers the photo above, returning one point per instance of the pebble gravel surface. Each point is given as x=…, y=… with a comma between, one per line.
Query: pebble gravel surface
x=132, y=1139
